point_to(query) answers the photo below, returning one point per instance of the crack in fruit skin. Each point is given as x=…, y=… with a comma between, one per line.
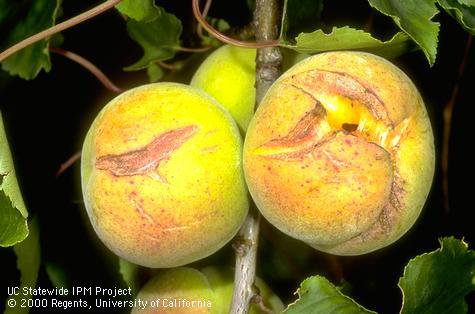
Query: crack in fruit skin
x=340, y=83
x=145, y=160
x=301, y=140
x=313, y=129
x=326, y=155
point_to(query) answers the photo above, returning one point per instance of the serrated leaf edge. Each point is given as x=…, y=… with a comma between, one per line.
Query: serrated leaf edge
x=397, y=20
x=287, y=44
x=440, y=249
x=297, y=292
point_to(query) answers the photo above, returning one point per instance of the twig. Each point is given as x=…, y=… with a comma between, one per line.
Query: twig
x=228, y=40
x=199, y=29
x=245, y=246
x=59, y=28
x=268, y=61
x=68, y=163
x=88, y=65
x=448, y=112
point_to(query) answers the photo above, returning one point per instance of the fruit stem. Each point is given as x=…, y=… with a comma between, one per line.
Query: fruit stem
x=59, y=28
x=268, y=66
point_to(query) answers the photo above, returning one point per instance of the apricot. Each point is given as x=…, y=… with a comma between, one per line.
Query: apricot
x=162, y=175
x=229, y=74
x=187, y=290
x=340, y=153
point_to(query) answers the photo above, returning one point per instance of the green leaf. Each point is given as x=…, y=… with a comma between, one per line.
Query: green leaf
x=300, y=16
x=346, y=38
x=462, y=11
x=28, y=263
x=159, y=39
x=13, y=213
x=129, y=272
x=437, y=282
x=41, y=14
x=317, y=295
x=415, y=18
x=139, y=10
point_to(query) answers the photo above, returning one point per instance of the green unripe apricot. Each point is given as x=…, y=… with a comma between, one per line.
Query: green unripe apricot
x=162, y=177
x=187, y=290
x=229, y=73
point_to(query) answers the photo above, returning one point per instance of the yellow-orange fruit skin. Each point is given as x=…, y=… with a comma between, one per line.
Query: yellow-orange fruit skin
x=162, y=175
x=340, y=153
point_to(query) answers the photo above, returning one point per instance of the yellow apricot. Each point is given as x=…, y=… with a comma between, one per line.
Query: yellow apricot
x=187, y=290
x=340, y=153
x=162, y=176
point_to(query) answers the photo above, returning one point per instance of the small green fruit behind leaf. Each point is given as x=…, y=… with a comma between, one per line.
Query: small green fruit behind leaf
x=187, y=290
x=340, y=153
x=228, y=75
x=162, y=175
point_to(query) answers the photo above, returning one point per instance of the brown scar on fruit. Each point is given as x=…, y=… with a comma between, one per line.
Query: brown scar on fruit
x=337, y=163
x=146, y=159
x=138, y=206
x=146, y=216
x=388, y=216
x=397, y=193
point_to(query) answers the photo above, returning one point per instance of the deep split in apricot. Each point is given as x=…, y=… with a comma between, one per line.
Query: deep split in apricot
x=340, y=153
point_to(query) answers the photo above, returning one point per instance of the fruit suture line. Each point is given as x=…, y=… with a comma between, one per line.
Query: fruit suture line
x=147, y=159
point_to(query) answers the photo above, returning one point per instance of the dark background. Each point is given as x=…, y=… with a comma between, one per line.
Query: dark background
x=46, y=120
